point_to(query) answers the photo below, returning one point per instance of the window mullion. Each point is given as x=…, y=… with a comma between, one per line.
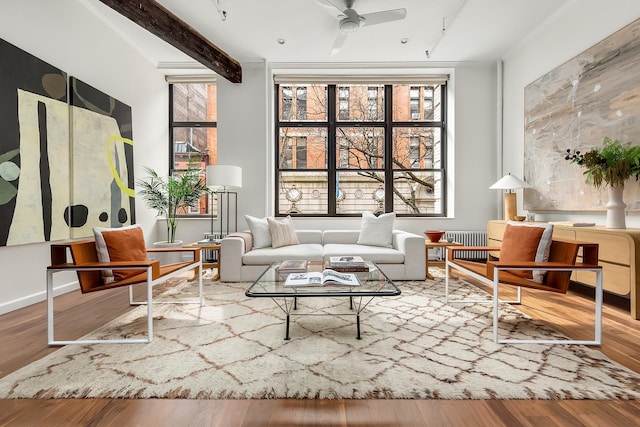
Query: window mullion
x=332, y=153
x=388, y=144
x=170, y=145
x=276, y=151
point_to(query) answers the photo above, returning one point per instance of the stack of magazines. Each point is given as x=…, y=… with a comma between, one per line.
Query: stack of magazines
x=292, y=266
x=347, y=263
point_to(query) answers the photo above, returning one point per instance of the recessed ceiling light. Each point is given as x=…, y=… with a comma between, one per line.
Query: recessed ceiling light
x=404, y=40
x=281, y=41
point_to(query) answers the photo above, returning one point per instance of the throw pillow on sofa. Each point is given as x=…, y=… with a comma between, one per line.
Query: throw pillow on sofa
x=260, y=231
x=282, y=232
x=377, y=230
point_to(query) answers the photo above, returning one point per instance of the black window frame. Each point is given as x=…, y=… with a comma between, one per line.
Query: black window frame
x=334, y=122
x=173, y=125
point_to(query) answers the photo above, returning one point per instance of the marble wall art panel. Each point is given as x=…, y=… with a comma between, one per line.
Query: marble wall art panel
x=593, y=95
x=102, y=193
x=34, y=149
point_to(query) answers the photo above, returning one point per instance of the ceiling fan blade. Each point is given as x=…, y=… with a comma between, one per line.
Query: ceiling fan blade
x=332, y=4
x=342, y=36
x=384, y=16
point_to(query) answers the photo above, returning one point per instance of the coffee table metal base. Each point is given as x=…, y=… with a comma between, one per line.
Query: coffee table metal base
x=288, y=308
x=373, y=283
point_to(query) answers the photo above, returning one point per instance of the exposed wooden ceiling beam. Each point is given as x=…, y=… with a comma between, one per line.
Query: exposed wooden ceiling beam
x=151, y=16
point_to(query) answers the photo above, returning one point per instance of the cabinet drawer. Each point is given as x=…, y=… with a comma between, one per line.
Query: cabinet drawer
x=495, y=230
x=563, y=233
x=616, y=278
x=612, y=247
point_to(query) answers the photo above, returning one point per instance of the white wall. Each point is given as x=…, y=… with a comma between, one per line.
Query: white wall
x=576, y=27
x=246, y=139
x=243, y=140
x=71, y=36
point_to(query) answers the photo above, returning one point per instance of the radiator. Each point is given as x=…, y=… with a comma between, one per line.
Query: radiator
x=468, y=238
x=209, y=255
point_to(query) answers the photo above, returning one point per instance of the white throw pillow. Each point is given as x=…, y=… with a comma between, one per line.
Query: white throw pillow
x=259, y=231
x=542, y=254
x=377, y=231
x=282, y=232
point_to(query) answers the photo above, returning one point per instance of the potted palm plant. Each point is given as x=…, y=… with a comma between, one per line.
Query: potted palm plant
x=610, y=165
x=174, y=194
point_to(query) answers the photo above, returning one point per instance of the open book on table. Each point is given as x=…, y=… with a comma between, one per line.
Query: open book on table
x=322, y=278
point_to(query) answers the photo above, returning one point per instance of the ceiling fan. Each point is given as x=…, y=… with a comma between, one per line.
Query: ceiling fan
x=351, y=21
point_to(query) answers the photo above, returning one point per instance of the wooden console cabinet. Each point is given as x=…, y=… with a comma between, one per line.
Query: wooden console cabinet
x=618, y=256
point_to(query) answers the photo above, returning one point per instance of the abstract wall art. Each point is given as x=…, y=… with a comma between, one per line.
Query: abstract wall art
x=66, y=161
x=102, y=190
x=593, y=95
x=34, y=149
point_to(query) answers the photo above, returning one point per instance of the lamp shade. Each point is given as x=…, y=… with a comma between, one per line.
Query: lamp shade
x=224, y=176
x=509, y=182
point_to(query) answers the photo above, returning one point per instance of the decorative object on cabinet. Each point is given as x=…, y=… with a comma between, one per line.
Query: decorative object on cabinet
x=509, y=182
x=611, y=166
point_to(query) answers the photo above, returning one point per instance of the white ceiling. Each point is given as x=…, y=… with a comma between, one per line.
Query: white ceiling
x=476, y=30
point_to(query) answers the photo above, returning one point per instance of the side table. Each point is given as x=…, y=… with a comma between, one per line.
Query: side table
x=428, y=244
x=215, y=247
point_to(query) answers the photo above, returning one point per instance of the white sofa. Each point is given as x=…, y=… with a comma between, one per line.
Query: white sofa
x=404, y=261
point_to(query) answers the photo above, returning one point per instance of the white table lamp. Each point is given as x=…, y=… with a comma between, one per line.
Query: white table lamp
x=221, y=177
x=509, y=182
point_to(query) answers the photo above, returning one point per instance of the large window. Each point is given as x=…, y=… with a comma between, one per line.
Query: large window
x=361, y=147
x=192, y=128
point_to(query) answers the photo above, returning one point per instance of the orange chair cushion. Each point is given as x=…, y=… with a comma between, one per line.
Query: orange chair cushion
x=120, y=244
x=520, y=244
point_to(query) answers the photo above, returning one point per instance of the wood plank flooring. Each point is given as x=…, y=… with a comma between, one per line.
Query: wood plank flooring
x=23, y=340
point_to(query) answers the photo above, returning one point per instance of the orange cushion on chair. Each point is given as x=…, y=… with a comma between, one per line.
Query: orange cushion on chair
x=120, y=244
x=520, y=244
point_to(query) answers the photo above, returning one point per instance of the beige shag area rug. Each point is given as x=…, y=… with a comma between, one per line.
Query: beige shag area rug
x=413, y=347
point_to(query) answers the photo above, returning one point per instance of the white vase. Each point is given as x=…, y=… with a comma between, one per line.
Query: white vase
x=616, y=208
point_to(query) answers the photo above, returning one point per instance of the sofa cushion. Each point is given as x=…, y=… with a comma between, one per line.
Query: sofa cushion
x=376, y=231
x=340, y=236
x=266, y=256
x=282, y=232
x=309, y=236
x=260, y=231
x=376, y=254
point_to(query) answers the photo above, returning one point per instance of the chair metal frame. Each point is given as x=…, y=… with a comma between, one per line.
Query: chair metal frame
x=147, y=266
x=495, y=283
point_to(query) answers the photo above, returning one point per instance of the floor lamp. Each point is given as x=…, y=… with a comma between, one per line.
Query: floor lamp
x=221, y=178
x=509, y=183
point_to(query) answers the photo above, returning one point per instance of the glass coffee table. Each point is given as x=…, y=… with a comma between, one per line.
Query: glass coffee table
x=373, y=283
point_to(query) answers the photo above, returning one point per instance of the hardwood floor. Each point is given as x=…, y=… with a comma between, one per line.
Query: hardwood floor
x=23, y=340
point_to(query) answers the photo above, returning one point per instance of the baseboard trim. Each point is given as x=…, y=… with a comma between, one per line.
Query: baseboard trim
x=28, y=300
